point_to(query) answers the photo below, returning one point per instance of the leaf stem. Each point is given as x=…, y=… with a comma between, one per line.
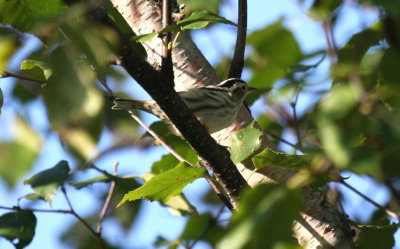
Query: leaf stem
x=4, y=74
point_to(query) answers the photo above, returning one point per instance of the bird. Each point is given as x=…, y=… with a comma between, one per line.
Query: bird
x=215, y=106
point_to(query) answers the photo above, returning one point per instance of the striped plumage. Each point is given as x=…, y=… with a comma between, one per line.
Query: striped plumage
x=216, y=107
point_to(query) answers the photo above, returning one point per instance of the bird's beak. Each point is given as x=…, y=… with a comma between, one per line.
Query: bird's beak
x=251, y=88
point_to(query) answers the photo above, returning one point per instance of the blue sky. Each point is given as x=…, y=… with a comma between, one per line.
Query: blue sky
x=154, y=219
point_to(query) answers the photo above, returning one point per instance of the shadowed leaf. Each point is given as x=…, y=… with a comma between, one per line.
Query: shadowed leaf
x=18, y=228
x=46, y=183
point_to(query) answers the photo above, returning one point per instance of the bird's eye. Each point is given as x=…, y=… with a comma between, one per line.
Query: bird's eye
x=244, y=88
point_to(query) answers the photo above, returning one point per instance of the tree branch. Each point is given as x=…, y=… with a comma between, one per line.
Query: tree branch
x=215, y=157
x=107, y=201
x=167, y=71
x=238, y=57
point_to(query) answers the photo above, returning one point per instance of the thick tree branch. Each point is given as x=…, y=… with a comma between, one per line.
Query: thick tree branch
x=238, y=57
x=167, y=70
x=191, y=69
x=215, y=157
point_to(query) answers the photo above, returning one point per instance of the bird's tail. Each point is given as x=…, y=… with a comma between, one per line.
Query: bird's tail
x=128, y=104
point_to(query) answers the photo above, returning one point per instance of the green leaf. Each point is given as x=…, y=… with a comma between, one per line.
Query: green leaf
x=73, y=98
x=270, y=60
x=17, y=157
x=18, y=228
x=264, y=218
x=29, y=64
x=8, y=46
x=270, y=158
x=381, y=237
x=390, y=6
x=201, y=19
x=177, y=143
x=165, y=185
x=23, y=14
x=85, y=183
x=194, y=5
x=164, y=243
x=244, y=143
x=197, y=20
x=167, y=162
x=341, y=100
x=389, y=73
x=180, y=206
x=33, y=197
x=46, y=183
x=324, y=9
x=203, y=226
x=355, y=49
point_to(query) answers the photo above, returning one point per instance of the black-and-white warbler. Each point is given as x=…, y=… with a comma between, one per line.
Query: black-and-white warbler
x=216, y=107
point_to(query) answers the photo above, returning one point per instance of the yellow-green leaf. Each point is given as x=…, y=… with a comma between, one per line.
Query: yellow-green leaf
x=165, y=185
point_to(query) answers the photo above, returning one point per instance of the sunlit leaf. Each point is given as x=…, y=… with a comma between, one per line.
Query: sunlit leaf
x=244, y=143
x=201, y=19
x=8, y=46
x=46, y=183
x=179, y=205
x=270, y=158
x=197, y=20
x=165, y=185
x=18, y=228
x=29, y=64
x=17, y=157
x=195, y=5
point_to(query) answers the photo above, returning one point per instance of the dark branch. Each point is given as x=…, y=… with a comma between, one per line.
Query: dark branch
x=215, y=157
x=167, y=72
x=238, y=57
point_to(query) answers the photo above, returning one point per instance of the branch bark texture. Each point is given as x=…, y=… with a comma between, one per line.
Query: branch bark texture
x=321, y=225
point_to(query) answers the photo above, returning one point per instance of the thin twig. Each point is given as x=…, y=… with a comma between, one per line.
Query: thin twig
x=210, y=224
x=237, y=65
x=330, y=40
x=107, y=201
x=281, y=139
x=387, y=211
x=63, y=211
x=4, y=74
x=83, y=221
x=296, y=121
